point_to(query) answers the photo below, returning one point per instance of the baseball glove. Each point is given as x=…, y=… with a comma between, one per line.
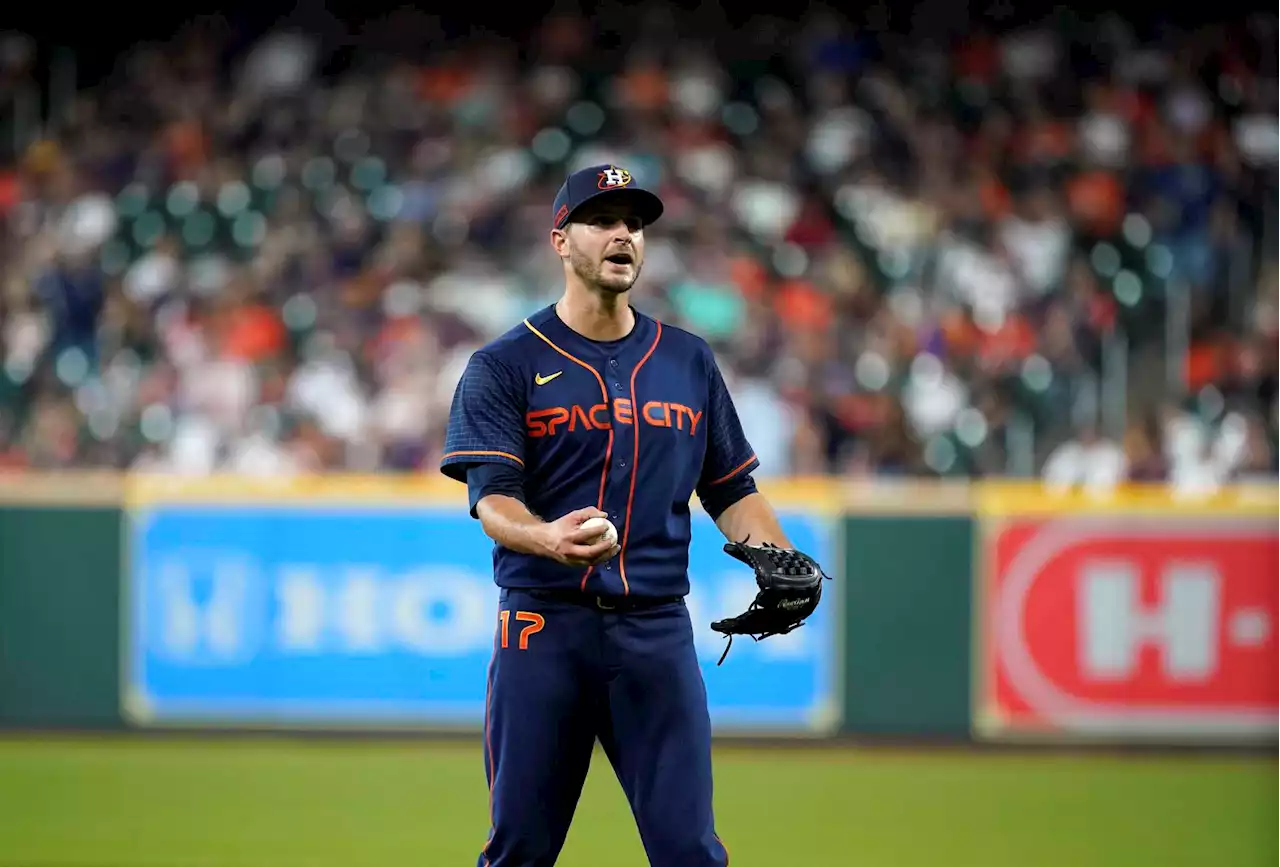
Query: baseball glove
x=790, y=583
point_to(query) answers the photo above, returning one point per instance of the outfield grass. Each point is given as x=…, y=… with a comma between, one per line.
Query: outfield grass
x=282, y=803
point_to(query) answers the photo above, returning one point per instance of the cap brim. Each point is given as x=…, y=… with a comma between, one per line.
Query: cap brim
x=644, y=204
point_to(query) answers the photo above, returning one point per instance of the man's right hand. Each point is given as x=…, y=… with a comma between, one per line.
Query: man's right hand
x=566, y=542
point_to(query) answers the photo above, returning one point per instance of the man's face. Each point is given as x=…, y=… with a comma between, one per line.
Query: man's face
x=604, y=245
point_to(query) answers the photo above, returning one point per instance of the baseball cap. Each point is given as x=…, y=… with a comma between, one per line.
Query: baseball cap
x=586, y=184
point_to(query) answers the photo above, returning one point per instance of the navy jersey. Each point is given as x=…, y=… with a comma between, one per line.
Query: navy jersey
x=633, y=427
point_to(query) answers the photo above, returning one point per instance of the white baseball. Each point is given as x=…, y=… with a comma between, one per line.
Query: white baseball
x=606, y=528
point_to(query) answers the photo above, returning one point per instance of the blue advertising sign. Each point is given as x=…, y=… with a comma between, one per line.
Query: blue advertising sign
x=368, y=615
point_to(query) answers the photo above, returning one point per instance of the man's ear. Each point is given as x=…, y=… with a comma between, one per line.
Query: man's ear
x=560, y=242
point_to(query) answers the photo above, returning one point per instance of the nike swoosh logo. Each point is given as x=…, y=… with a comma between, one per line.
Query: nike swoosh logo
x=543, y=380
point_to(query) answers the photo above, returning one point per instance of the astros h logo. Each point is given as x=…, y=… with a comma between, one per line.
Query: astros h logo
x=613, y=177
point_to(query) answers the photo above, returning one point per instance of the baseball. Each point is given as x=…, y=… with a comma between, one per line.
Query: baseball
x=605, y=526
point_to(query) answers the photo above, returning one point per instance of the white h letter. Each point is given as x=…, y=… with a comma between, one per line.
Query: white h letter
x=1112, y=626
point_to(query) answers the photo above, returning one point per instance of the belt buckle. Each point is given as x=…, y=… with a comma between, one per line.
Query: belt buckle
x=604, y=606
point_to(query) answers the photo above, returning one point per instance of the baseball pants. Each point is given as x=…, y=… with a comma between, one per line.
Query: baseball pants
x=565, y=675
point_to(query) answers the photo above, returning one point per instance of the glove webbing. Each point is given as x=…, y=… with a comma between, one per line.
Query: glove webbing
x=755, y=603
x=790, y=560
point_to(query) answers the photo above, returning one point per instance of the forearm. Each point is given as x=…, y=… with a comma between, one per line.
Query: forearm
x=509, y=522
x=752, y=519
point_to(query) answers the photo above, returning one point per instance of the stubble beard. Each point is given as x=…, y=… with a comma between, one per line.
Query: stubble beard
x=592, y=274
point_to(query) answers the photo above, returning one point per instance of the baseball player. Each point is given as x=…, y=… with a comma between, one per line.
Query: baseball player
x=590, y=409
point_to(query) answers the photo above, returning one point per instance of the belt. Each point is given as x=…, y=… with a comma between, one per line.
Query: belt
x=603, y=603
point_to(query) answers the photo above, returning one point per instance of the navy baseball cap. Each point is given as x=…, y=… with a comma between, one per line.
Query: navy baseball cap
x=586, y=184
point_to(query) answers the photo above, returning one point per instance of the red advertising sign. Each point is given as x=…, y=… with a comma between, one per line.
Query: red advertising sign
x=1130, y=625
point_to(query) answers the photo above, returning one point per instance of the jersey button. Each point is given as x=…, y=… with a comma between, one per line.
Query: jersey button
x=613, y=362
x=618, y=386
x=622, y=465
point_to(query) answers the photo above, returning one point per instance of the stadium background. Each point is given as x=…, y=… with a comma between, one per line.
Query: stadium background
x=994, y=288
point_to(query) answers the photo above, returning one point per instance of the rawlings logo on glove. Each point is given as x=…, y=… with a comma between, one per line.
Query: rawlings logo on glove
x=790, y=583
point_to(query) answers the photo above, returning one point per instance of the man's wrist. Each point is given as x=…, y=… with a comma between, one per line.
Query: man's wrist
x=539, y=538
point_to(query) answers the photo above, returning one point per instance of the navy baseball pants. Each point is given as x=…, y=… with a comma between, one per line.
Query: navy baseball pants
x=565, y=675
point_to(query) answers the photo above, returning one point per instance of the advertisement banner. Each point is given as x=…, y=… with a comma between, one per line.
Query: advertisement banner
x=1129, y=625
x=369, y=615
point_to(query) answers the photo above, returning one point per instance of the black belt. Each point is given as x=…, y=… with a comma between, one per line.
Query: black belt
x=603, y=603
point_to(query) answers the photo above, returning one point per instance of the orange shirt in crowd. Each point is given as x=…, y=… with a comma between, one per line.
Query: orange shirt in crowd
x=252, y=333
x=802, y=306
x=1096, y=199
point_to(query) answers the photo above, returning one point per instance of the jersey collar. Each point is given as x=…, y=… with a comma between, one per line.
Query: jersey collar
x=634, y=344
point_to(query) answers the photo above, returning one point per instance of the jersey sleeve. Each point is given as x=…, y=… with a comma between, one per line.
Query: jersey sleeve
x=486, y=418
x=486, y=479
x=729, y=455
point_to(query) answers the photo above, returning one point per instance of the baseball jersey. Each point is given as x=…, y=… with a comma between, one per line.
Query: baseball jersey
x=633, y=427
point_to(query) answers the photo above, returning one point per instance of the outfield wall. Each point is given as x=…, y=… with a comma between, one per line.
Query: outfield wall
x=991, y=612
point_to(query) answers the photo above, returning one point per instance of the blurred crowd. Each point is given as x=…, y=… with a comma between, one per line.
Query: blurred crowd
x=1047, y=251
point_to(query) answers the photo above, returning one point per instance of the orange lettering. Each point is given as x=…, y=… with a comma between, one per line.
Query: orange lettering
x=542, y=422
x=663, y=419
x=557, y=419
x=535, y=621
x=579, y=413
x=560, y=415
x=680, y=410
x=694, y=417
